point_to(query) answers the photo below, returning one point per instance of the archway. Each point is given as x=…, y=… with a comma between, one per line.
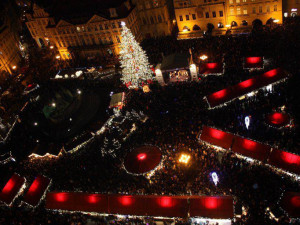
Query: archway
x=233, y=24
x=257, y=22
x=270, y=22
x=244, y=23
x=196, y=27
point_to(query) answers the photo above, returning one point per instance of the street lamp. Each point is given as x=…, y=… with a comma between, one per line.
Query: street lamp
x=14, y=67
x=203, y=57
x=51, y=47
x=57, y=57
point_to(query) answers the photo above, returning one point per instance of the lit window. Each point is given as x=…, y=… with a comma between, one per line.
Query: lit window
x=268, y=8
x=238, y=10
x=237, y=1
x=244, y=0
x=245, y=11
x=230, y=1
x=275, y=8
x=231, y=11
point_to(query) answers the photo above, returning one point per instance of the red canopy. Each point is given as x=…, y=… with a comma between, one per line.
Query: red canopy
x=251, y=148
x=211, y=68
x=143, y=205
x=278, y=119
x=11, y=189
x=256, y=82
x=290, y=202
x=254, y=62
x=216, y=137
x=36, y=190
x=143, y=159
x=285, y=160
x=211, y=207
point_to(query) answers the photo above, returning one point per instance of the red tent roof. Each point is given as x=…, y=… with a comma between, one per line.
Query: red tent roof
x=254, y=62
x=211, y=68
x=278, y=119
x=256, y=82
x=285, y=160
x=290, y=202
x=36, y=190
x=216, y=137
x=143, y=159
x=11, y=189
x=251, y=148
x=143, y=205
x=212, y=207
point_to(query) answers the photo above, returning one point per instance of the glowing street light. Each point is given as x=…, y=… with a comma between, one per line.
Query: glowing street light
x=57, y=57
x=215, y=178
x=35, y=123
x=79, y=92
x=123, y=23
x=14, y=67
x=203, y=57
x=247, y=122
x=51, y=47
x=275, y=21
x=184, y=158
x=53, y=104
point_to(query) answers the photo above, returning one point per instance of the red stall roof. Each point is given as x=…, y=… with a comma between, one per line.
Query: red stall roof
x=211, y=207
x=36, y=190
x=73, y=201
x=11, y=189
x=254, y=63
x=285, y=160
x=143, y=205
x=290, y=202
x=252, y=84
x=211, y=69
x=216, y=137
x=251, y=148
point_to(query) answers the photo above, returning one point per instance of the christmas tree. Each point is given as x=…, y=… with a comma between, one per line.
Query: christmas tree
x=136, y=71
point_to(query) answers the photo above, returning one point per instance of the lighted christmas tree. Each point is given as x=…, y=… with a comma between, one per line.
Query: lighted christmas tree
x=136, y=71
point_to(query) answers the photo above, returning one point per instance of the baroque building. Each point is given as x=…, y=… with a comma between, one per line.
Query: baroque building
x=9, y=39
x=84, y=33
x=195, y=17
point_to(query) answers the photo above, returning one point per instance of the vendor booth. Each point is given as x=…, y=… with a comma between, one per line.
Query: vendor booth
x=178, y=67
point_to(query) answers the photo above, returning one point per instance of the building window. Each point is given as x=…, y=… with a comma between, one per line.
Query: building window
x=238, y=10
x=207, y=14
x=151, y=20
x=194, y=16
x=260, y=9
x=253, y=10
x=187, y=17
x=231, y=11
x=230, y=1
x=214, y=14
x=180, y=18
x=245, y=11
x=244, y=0
x=106, y=27
x=237, y=1
x=221, y=13
x=268, y=8
x=275, y=8
x=159, y=18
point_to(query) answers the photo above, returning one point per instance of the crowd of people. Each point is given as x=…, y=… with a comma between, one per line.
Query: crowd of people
x=176, y=114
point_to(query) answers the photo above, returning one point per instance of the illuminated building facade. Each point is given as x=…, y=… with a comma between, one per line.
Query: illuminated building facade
x=97, y=32
x=154, y=18
x=9, y=40
x=196, y=16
